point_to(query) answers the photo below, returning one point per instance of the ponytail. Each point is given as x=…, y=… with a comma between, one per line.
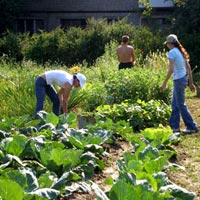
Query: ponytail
x=182, y=50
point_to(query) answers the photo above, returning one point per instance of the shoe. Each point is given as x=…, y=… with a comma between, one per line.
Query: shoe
x=188, y=131
x=176, y=130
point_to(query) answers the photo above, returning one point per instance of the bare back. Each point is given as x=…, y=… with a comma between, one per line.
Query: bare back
x=125, y=53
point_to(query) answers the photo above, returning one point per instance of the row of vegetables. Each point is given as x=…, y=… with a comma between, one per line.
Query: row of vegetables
x=50, y=158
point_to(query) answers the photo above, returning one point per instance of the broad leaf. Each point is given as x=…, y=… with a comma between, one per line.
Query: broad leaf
x=10, y=190
x=46, y=193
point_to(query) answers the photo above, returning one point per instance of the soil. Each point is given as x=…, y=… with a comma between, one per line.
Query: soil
x=188, y=180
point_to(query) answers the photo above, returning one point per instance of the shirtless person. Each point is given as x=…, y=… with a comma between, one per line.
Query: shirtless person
x=125, y=54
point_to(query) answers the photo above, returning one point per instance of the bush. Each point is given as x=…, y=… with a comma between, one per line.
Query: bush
x=75, y=45
x=95, y=96
x=10, y=46
x=42, y=47
x=139, y=114
x=137, y=83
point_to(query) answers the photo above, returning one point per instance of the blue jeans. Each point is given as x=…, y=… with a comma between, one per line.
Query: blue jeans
x=41, y=89
x=179, y=107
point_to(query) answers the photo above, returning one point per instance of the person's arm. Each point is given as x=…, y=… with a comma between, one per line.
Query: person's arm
x=60, y=96
x=118, y=54
x=65, y=97
x=189, y=72
x=133, y=55
x=169, y=73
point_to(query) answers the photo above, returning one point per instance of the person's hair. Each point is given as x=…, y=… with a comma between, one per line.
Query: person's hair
x=125, y=39
x=182, y=50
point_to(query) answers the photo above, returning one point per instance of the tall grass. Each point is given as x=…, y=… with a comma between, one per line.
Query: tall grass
x=17, y=95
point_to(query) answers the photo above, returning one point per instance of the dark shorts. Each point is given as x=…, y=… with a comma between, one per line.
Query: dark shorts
x=125, y=65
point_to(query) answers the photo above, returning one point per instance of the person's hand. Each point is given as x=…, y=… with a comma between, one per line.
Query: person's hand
x=61, y=109
x=162, y=87
x=192, y=87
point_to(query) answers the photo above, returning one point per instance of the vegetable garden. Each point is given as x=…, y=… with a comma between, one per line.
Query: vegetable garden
x=54, y=158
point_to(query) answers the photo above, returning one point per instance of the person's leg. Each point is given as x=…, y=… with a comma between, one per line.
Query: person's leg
x=52, y=94
x=180, y=85
x=174, y=120
x=40, y=85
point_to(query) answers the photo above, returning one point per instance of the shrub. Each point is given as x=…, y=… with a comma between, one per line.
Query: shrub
x=139, y=114
x=75, y=45
x=137, y=83
x=95, y=96
x=10, y=45
x=42, y=47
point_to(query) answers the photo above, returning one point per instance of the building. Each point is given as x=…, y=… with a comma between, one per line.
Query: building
x=49, y=14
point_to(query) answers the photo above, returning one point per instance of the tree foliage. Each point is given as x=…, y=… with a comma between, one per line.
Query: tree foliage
x=187, y=16
x=187, y=26
x=9, y=10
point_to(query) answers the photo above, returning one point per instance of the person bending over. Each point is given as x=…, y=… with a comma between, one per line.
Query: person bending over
x=44, y=86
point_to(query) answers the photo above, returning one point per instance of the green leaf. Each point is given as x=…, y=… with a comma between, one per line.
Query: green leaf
x=178, y=192
x=161, y=179
x=157, y=136
x=32, y=181
x=10, y=159
x=64, y=179
x=46, y=193
x=122, y=190
x=51, y=118
x=77, y=143
x=53, y=159
x=46, y=179
x=109, y=181
x=17, y=145
x=10, y=190
x=148, y=153
x=32, y=148
x=156, y=165
x=94, y=148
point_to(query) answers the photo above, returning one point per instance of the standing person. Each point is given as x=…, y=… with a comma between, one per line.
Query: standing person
x=180, y=68
x=44, y=85
x=125, y=54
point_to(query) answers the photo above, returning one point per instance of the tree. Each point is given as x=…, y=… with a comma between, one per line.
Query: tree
x=9, y=10
x=186, y=24
x=187, y=16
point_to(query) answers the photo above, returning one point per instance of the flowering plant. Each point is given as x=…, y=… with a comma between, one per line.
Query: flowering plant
x=75, y=69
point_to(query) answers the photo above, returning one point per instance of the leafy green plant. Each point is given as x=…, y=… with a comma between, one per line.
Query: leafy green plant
x=140, y=83
x=142, y=173
x=42, y=163
x=139, y=115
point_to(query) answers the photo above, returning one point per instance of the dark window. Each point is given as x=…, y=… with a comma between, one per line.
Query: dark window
x=73, y=22
x=30, y=25
x=111, y=21
x=154, y=21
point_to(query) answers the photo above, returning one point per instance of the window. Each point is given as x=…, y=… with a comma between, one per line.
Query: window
x=73, y=22
x=30, y=25
x=111, y=21
x=155, y=21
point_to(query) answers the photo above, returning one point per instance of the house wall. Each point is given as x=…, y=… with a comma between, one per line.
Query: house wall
x=53, y=12
x=81, y=5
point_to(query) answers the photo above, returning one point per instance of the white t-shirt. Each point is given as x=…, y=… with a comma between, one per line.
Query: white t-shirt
x=58, y=77
x=179, y=63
